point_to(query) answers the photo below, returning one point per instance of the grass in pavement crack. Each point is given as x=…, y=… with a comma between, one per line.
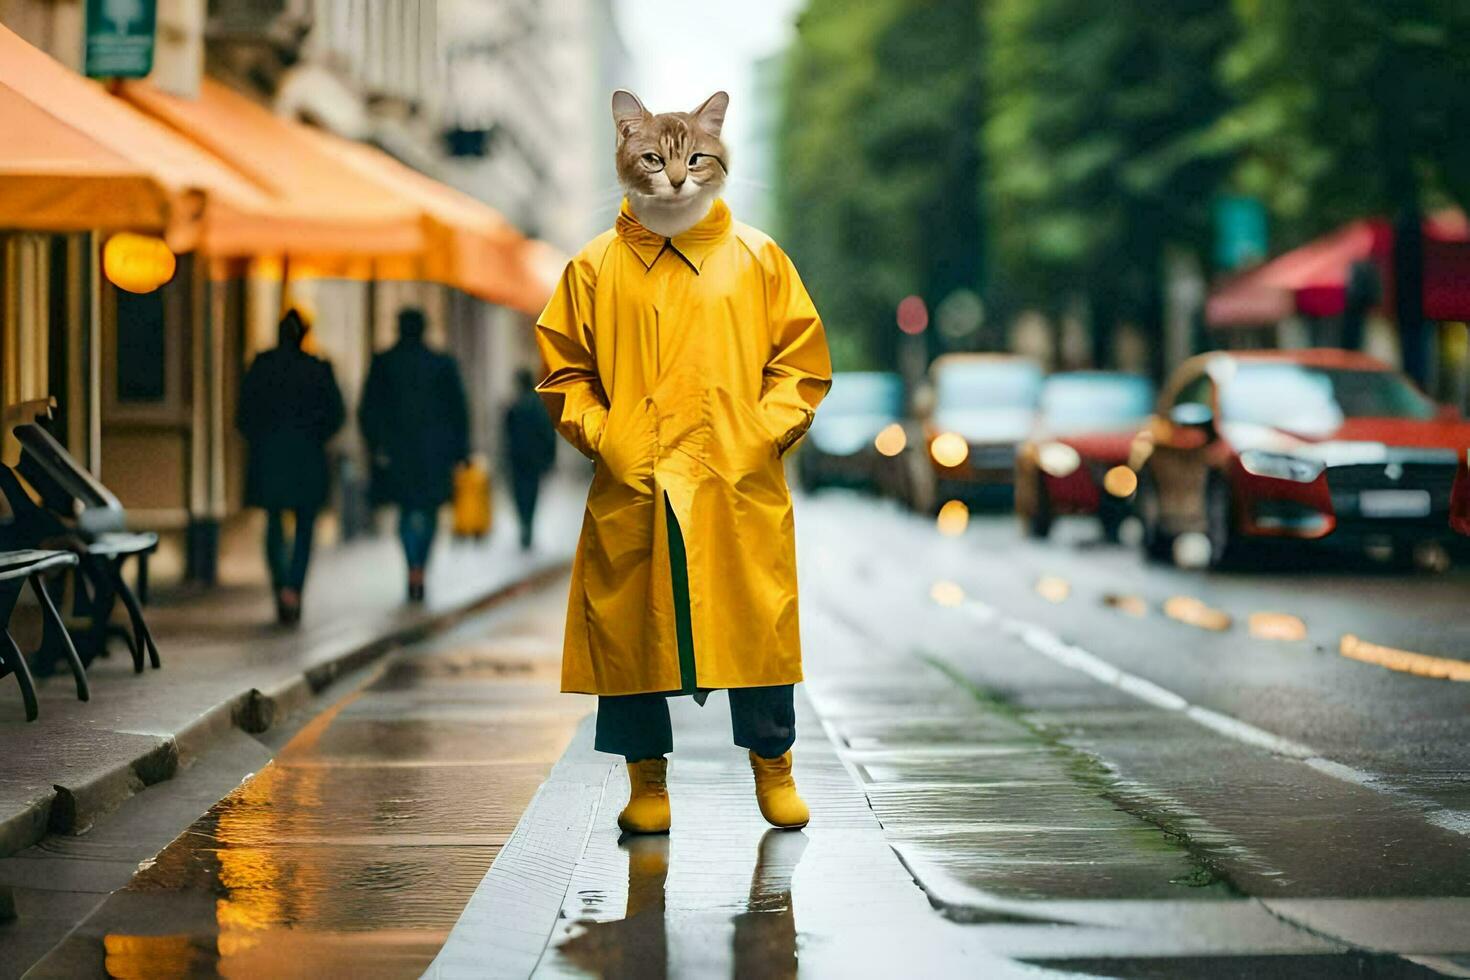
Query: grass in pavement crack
x=1093, y=775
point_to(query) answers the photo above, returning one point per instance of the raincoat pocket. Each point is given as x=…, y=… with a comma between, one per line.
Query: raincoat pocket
x=742, y=450
x=628, y=444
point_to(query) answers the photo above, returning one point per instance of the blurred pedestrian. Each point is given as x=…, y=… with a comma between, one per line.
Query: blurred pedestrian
x=290, y=406
x=416, y=424
x=530, y=441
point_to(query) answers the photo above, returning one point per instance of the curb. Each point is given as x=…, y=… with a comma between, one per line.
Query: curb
x=73, y=809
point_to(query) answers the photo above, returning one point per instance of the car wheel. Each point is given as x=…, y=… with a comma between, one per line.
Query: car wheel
x=1157, y=544
x=1220, y=524
x=1037, y=524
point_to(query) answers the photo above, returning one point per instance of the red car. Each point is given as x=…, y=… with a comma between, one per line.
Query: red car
x=1305, y=444
x=1075, y=461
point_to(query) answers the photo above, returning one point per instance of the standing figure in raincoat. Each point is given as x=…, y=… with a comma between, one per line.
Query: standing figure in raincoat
x=685, y=358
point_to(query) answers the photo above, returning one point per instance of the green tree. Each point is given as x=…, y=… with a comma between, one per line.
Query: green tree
x=880, y=164
x=1101, y=149
x=1355, y=107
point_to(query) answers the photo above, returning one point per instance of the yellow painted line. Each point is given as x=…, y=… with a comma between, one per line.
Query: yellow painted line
x=947, y=594
x=1128, y=605
x=1406, y=661
x=1194, y=612
x=1277, y=626
x=1053, y=588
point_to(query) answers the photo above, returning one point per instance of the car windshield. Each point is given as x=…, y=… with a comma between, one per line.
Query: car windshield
x=1314, y=400
x=864, y=393
x=988, y=385
x=1081, y=402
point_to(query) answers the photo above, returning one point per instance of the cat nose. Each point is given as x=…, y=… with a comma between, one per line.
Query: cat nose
x=676, y=182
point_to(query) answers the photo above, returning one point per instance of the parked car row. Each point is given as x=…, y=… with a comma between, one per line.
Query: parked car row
x=1317, y=445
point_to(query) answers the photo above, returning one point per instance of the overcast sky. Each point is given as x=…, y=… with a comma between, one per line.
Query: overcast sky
x=683, y=51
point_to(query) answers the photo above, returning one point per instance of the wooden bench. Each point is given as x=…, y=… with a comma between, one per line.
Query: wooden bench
x=17, y=568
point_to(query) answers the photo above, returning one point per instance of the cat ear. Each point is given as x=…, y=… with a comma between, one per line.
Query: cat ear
x=711, y=113
x=627, y=112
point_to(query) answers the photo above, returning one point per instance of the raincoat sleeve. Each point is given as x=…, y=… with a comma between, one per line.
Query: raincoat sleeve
x=572, y=389
x=799, y=371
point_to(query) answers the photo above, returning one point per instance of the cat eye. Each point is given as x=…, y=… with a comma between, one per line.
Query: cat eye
x=653, y=161
x=694, y=160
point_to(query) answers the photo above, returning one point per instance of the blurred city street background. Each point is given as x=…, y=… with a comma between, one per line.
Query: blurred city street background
x=1133, y=536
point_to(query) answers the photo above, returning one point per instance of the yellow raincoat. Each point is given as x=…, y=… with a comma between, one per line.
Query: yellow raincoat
x=685, y=368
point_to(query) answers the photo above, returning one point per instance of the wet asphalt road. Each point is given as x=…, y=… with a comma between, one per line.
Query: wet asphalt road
x=1088, y=765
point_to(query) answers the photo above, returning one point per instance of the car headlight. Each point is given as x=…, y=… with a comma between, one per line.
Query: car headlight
x=1058, y=459
x=891, y=440
x=949, y=449
x=1279, y=466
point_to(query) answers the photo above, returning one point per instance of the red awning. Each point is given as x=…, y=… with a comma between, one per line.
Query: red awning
x=1312, y=280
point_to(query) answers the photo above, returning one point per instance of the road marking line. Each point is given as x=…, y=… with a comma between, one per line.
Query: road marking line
x=1049, y=645
x=1277, y=626
x=1406, y=661
x=1193, y=612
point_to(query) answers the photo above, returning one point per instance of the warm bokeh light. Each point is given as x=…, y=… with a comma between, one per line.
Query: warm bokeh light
x=949, y=449
x=1058, y=459
x=913, y=315
x=947, y=593
x=1120, y=481
x=137, y=263
x=1053, y=588
x=892, y=440
x=953, y=518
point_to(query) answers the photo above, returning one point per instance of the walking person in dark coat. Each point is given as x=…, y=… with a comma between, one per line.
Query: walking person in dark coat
x=530, y=441
x=290, y=406
x=414, y=418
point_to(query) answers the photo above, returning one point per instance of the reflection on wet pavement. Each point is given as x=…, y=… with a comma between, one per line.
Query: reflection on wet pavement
x=764, y=943
x=354, y=851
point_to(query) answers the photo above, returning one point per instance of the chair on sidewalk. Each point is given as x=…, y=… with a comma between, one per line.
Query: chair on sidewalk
x=17, y=568
x=94, y=536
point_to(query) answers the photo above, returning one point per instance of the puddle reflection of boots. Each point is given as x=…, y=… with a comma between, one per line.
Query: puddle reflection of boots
x=635, y=946
x=765, y=934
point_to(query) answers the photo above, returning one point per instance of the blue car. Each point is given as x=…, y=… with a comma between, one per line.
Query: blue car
x=859, y=434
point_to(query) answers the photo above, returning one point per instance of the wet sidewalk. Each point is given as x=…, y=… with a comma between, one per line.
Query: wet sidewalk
x=722, y=894
x=227, y=667
x=352, y=852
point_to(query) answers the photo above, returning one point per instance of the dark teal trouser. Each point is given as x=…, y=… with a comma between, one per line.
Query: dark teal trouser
x=637, y=726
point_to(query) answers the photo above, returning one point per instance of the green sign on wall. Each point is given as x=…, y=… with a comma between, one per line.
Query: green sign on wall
x=120, y=38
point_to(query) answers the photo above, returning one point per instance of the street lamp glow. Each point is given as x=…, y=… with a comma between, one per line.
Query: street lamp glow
x=137, y=263
x=949, y=449
x=1059, y=459
x=891, y=441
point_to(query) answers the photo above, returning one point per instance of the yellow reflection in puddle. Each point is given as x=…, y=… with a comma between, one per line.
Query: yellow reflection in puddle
x=152, y=957
x=1053, y=588
x=1406, y=661
x=1128, y=605
x=947, y=593
x=953, y=518
x=1277, y=626
x=1193, y=612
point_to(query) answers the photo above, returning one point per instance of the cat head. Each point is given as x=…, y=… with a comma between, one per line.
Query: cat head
x=671, y=159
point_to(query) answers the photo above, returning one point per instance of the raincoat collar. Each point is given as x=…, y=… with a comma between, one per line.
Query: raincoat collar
x=693, y=245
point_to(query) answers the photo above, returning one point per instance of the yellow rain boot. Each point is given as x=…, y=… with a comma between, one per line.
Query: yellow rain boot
x=775, y=791
x=647, y=811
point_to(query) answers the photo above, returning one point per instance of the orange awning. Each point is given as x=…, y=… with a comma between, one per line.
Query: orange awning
x=79, y=160
x=320, y=207
x=469, y=245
